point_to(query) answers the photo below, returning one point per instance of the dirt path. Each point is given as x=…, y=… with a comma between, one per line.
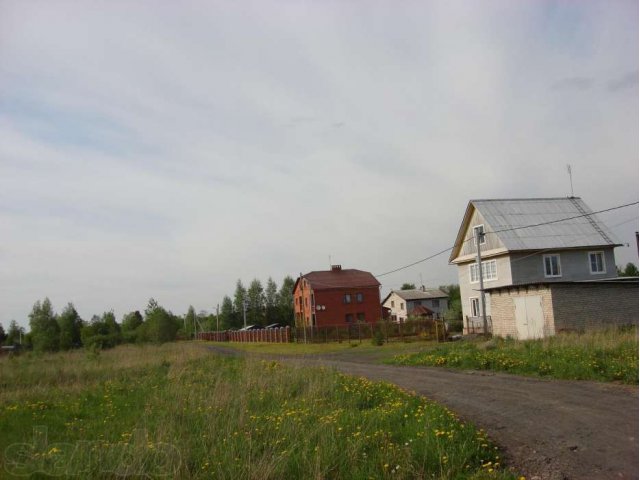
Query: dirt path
x=550, y=429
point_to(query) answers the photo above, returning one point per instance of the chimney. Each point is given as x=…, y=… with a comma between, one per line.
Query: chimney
x=336, y=268
x=422, y=288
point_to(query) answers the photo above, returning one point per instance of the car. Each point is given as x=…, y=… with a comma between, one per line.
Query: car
x=250, y=327
x=274, y=325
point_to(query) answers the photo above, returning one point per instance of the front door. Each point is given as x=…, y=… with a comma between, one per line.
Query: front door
x=529, y=317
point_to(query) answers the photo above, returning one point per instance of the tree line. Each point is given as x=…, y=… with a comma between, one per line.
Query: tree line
x=50, y=332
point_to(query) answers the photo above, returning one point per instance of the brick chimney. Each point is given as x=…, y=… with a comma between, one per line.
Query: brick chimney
x=336, y=268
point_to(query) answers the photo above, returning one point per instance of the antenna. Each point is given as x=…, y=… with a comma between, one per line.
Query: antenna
x=570, y=178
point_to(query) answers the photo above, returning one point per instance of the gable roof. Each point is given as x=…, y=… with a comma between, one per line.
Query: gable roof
x=417, y=294
x=349, y=278
x=421, y=310
x=538, y=224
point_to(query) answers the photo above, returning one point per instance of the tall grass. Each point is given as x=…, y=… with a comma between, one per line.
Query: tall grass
x=606, y=355
x=178, y=411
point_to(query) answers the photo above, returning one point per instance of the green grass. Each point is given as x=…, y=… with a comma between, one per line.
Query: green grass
x=608, y=356
x=177, y=410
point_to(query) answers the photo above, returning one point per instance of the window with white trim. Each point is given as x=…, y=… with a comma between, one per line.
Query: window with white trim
x=489, y=271
x=552, y=265
x=475, y=306
x=596, y=262
x=479, y=229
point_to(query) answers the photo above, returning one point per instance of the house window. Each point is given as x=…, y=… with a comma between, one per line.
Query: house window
x=360, y=317
x=348, y=318
x=359, y=297
x=489, y=271
x=479, y=229
x=475, y=306
x=596, y=262
x=346, y=298
x=436, y=303
x=552, y=265
x=402, y=306
x=393, y=304
x=306, y=301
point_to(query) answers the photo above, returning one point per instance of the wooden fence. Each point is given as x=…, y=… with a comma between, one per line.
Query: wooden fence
x=426, y=329
x=269, y=335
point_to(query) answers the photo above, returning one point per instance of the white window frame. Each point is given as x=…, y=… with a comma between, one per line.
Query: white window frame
x=604, y=264
x=483, y=238
x=486, y=269
x=544, y=265
x=475, y=300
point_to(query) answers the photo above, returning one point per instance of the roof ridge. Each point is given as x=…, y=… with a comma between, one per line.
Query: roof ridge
x=523, y=199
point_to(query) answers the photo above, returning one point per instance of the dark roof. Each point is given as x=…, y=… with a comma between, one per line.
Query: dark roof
x=421, y=310
x=420, y=294
x=339, y=279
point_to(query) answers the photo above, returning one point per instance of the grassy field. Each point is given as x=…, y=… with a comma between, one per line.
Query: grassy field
x=180, y=412
x=609, y=356
x=356, y=348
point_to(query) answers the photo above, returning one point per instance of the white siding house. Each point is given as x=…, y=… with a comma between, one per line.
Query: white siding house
x=528, y=241
x=401, y=303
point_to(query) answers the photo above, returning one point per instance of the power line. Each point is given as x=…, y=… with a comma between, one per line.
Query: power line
x=504, y=230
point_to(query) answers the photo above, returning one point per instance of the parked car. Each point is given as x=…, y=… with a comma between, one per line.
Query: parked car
x=250, y=327
x=274, y=325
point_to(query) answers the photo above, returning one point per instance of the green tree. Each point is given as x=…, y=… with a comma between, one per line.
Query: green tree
x=189, y=323
x=228, y=318
x=102, y=332
x=239, y=296
x=131, y=323
x=629, y=271
x=271, y=302
x=408, y=286
x=3, y=335
x=255, y=303
x=159, y=325
x=70, y=325
x=285, y=301
x=45, y=332
x=14, y=334
x=453, y=315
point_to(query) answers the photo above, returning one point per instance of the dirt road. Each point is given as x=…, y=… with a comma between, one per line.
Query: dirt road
x=550, y=429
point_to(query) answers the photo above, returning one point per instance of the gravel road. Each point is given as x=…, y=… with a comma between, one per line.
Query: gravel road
x=549, y=429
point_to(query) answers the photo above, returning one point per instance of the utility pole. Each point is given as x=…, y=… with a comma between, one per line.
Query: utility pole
x=244, y=312
x=483, y=307
x=218, y=318
x=570, y=178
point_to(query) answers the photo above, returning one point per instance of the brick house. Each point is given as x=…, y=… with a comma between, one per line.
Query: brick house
x=336, y=297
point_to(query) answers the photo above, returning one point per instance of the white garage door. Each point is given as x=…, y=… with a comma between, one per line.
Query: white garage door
x=529, y=317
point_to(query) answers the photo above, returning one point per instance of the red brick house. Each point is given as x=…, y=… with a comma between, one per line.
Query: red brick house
x=336, y=297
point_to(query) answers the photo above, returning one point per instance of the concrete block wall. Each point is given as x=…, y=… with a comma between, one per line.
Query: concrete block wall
x=503, y=312
x=580, y=307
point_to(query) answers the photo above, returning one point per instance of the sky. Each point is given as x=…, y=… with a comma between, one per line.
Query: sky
x=168, y=149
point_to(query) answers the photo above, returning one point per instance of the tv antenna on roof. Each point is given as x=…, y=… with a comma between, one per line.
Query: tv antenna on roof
x=570, y=178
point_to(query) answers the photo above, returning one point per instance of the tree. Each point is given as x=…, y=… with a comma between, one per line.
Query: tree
x=159, y=325
x=131, y=322
x=3, y=335
x=285, y=301
x=239, y=297
x=629, y=271
x=14, y=334
x=45, y=331
x=102, y=332
x=408, y=286
x=271, y=302
x=70, y=325
x=255, y=303
x=453, y=315
x=189, y=322
x=228, y=318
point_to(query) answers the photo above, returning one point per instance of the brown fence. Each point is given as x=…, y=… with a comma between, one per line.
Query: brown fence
x=427, y=329
x=476, y=325
x=269, y=335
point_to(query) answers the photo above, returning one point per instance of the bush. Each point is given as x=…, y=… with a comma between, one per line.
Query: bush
x=378, y=337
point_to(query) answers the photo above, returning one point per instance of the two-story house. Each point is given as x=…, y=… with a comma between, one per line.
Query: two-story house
x=403, y=304
x=528, y=242
x=336, y=297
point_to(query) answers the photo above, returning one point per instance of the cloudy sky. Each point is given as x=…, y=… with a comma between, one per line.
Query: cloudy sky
x=166, y=149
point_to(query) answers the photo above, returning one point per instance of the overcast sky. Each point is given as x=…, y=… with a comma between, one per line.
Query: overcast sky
x=166, y=149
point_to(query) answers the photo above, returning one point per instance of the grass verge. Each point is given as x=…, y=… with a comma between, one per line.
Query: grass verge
x=608, y=356
x=178, y=411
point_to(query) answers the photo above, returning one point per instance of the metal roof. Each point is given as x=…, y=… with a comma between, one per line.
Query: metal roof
x=339, y=279
x=540, y=223
x=420, y=294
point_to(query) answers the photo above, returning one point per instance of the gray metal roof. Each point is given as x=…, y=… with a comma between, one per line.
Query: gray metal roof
x=574, y=225
x=420, y=294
